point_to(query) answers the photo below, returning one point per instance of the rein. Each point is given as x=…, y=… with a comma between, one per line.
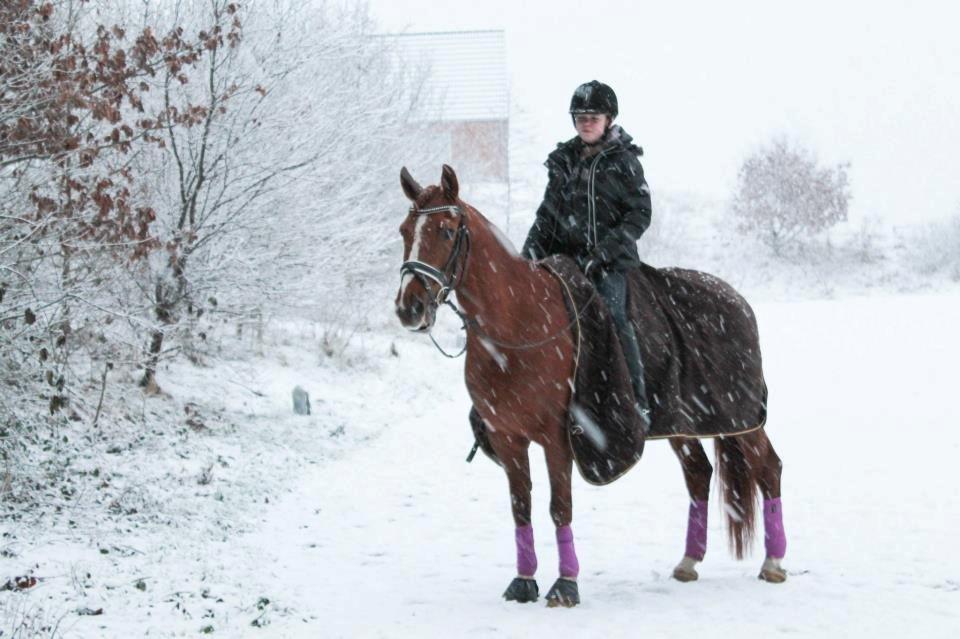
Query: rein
x=526, y=345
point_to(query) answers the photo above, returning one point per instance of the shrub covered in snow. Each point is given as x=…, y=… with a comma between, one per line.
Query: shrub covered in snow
x=784, y=196
x=935, y=249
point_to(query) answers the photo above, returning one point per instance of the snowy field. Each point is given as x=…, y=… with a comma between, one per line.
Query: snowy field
x=363, y=520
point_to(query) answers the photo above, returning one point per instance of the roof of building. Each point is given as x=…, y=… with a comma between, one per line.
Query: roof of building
x=466, y=72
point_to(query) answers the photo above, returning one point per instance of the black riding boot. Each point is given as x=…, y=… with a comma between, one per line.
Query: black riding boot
x=631, y=351
x=612, y=286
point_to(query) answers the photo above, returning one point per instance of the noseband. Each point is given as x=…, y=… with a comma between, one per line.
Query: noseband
x=449, y=277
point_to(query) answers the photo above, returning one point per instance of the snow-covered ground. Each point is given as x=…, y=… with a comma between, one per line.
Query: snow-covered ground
x=364, y=520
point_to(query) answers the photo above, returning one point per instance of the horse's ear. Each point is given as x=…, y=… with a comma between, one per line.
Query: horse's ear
x=451, y=188
x=410, y=187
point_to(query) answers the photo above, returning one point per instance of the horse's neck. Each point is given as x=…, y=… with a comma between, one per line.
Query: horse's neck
x=498, y=289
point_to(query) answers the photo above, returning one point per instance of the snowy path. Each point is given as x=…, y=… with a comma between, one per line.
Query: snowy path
x=402, y=538
x=363, y=520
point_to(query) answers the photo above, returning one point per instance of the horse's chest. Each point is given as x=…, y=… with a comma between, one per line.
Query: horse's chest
x=518, y=385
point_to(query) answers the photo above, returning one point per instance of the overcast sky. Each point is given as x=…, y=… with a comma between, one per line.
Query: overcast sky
x=701, y=84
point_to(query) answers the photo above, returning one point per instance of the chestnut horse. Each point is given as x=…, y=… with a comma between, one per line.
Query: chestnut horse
x=519, y=363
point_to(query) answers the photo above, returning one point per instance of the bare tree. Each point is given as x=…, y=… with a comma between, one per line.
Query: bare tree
x=166, y=162
x=783, y=196
x=277, y=179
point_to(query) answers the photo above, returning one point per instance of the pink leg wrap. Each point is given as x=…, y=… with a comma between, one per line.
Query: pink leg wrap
x=526, y=555
x=697, y=530
x=775, y=540
x=569, y=566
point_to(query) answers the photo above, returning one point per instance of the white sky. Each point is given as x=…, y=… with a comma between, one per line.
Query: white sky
x=700, y=84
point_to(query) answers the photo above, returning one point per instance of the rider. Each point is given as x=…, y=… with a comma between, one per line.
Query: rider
x=595, y=208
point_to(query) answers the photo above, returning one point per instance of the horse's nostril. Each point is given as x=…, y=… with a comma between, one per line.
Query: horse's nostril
x=417, y=307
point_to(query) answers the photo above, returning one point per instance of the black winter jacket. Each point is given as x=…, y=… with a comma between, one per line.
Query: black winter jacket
x=596, y=206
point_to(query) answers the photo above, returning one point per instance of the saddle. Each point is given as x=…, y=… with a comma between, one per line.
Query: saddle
x=702, y=366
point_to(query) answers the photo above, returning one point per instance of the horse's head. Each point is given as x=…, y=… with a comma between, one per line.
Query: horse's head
x=435, y=243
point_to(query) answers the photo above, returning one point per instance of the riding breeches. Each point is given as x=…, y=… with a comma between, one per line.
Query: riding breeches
x=612, y=286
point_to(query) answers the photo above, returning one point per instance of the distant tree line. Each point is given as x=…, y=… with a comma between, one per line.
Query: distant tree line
x=785, y=225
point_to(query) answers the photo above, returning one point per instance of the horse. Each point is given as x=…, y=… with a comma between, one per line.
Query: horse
x=519, y=363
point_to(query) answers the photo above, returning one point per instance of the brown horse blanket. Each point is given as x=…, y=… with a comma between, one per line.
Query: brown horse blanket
x=701, y=351
x=700, y=348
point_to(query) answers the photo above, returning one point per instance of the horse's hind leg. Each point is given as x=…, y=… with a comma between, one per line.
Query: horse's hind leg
x=696, y=473
x=767, y=469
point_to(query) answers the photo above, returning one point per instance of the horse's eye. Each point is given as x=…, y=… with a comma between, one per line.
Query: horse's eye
x=447, y=233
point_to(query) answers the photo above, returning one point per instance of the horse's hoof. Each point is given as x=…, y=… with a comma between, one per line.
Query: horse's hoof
x=777, y=576
x=564, y=592
x=685, y=570
x=522, y=590
x=685, y=575
x=772, y=572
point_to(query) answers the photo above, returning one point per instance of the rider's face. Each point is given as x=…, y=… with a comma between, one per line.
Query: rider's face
x=590, y=126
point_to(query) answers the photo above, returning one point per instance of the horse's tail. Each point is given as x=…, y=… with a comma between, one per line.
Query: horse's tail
x=738, y=489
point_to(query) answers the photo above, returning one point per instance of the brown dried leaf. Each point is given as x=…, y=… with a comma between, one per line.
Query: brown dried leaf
x=19, y=583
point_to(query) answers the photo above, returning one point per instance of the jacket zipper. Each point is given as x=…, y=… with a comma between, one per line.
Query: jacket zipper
x=591, y=205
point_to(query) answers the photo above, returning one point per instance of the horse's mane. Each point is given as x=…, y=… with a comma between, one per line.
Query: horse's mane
x=430, y=192
x=494, y=230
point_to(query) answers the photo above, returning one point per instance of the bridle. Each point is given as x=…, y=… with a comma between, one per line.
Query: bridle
x=449, y=277
x=453, y=271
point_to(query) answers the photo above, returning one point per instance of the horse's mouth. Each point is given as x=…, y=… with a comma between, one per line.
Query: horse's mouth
x=423, y=326
x=416, y=322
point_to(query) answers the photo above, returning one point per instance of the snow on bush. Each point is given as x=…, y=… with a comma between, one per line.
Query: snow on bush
x=935, y=249
x=783, y=196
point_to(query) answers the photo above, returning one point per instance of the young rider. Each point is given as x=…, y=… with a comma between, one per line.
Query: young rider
x=595, y=208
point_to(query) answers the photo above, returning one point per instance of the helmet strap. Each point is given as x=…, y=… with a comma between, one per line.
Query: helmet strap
x=606, y=133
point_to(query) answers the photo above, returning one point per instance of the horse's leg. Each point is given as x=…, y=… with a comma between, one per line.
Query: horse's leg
x=767, y=469
x=564, y=591
x=696, y=473
x=513, y=452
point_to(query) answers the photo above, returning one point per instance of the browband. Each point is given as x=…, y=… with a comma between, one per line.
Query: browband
x=436, y=209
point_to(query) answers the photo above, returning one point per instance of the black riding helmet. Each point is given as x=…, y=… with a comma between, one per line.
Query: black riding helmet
x=594, y=97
